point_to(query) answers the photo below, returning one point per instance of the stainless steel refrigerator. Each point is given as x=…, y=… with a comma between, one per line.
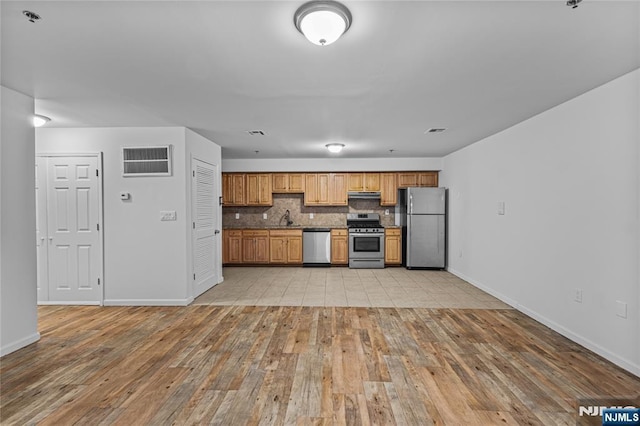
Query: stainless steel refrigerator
x=423, y=218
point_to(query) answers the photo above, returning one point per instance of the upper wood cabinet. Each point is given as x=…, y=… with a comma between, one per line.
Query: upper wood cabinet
x=368, y=182
x=388, y=189
x=325, y=189
x=259, y=189
x=316, y=189
x=338, y=189
x=233, y=189
x=406, y=179
x=288, y=182
x=319, y=189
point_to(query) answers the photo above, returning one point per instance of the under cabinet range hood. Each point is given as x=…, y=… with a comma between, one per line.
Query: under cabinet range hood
x=364, y=195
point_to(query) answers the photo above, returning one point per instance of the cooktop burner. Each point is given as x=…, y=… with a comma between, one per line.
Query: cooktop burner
x=364, y=222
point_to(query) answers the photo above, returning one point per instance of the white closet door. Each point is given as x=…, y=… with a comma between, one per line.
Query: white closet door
x=205, y=219
x=73, y=220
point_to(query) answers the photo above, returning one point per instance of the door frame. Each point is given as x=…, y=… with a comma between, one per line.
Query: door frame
x=99, y=157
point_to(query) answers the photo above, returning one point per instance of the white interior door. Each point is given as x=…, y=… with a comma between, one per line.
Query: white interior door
x=74, y=255
x=204, y=223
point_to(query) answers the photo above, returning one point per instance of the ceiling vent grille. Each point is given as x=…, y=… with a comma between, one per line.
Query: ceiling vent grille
x=256, y=132
x=146, y=161
x=436, y=130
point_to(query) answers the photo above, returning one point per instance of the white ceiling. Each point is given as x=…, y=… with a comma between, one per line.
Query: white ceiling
x=222, y=68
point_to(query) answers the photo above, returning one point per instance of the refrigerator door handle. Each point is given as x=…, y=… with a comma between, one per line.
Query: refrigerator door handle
x=410, y=204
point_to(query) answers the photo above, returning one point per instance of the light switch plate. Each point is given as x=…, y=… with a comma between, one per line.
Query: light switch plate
x=264, y=215
x=310, y=215
x=168, y=215
x=237, y=215
x=501, y=208
x=621, y=309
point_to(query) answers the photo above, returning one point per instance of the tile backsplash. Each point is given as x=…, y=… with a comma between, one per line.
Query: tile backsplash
x=336, y=216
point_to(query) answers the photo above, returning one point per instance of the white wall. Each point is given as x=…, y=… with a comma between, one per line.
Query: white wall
x=336, y=164
x=18, y=314
x=198, y=147
x=569, y=178
x=145, y=260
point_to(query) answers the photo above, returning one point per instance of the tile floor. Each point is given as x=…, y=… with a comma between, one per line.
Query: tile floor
x=380, y=288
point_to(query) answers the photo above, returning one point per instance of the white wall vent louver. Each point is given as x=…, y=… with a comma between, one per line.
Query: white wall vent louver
x=146, y=161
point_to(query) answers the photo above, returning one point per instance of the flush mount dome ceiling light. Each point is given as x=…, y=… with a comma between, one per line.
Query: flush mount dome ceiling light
x=40, y=120
x=335, y=147
x=322, y=22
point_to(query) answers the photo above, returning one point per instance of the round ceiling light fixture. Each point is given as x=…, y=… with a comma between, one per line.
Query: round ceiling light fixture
x=322, y=22
x=40, y=120
x=335, y=147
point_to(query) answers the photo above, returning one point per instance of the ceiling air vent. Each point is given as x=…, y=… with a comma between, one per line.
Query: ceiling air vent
x=256, y=132
x=146, y=161
x=436, y=130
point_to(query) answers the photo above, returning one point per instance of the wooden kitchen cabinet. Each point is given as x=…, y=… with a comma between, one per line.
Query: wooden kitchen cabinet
x=285, y=246
x=393, y=246
x=231, y=246
x=259, y=189
x=428, y=179
x=388, y=189
x=339, y=247
x=288, y=183
x=255, y=246
x=316, y=189
x=233, y=189
x=338, y=189
x=367, y=182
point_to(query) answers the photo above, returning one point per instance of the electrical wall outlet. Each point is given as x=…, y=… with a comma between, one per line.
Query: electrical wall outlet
x=237, y=215
x=621, y=309
x=310, y=215
x=386, y=212
x=578, y=295
x=264, y=215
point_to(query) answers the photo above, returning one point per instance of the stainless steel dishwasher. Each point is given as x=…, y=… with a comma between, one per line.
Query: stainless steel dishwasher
x=316, y=247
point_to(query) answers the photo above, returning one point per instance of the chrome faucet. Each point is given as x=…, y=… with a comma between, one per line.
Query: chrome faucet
x=287, y=217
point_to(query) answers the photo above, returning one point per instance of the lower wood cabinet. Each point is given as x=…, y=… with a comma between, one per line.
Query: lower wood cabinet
x=339, y=247
x=231, y=246
x=285, y=246
x=261, y=246
x=255, y=246
x=393, y=246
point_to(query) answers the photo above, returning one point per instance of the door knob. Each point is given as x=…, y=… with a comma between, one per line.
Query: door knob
x=217, y=231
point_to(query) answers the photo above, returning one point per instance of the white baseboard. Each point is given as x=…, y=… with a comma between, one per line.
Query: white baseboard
x=582, y=341
x=484, y=288
x=54, y=303
x=148, y=302
x=19, y=344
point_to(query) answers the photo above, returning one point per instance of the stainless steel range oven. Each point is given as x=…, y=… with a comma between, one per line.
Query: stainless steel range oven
x=366, y=240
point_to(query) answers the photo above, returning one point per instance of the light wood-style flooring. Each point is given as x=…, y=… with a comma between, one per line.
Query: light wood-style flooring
x=274, y=365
